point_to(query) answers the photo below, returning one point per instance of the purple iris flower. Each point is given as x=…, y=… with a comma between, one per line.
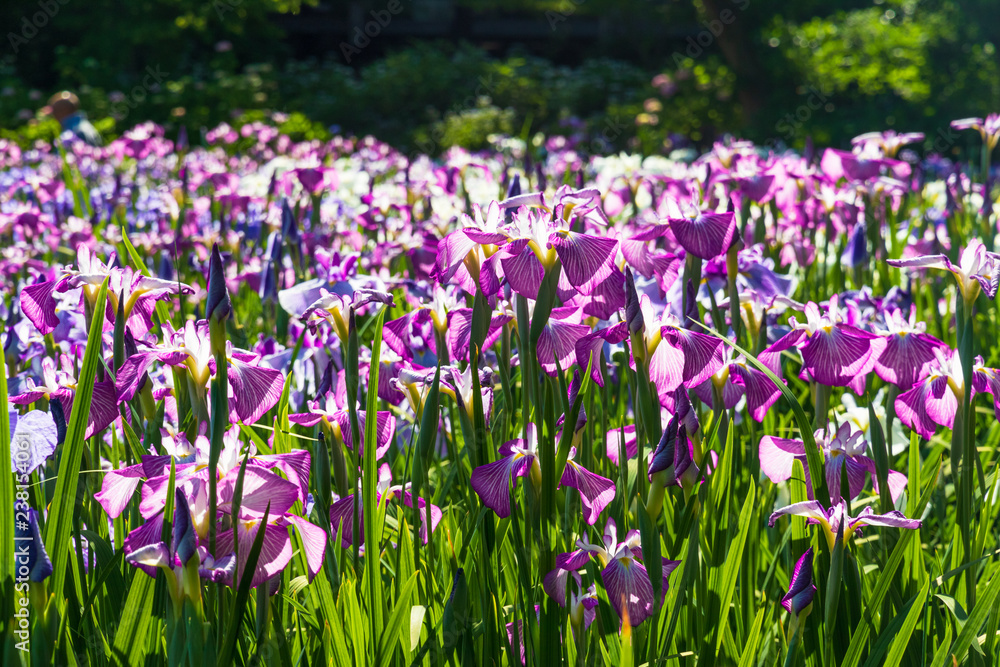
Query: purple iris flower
x=934, y=398
x=255, y=388
x=174, y=557
x=342, y=509
x=335, y=308
x=844, y=445
x=888, y=142
x=455, y=383
x=530, y=244
x=330, y=408
x=140, y=293
x=977, y=269
x=988, y=128
x=907, y=348
x=519, y=458
x=735, y=379
x=60, y=385
x=829, y=519
x=837, y=164
x=834, y=353
x=261, y=487
x=676, y=355
x=626, y=580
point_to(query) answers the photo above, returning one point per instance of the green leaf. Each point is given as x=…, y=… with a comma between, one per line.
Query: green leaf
x=970, y=631
x=369, y=481
x=725, y=585
x=874, y=601
x=60, y=520
x=226, y=657
x=813, y=455
x=394, y=625
x=944, y=648
x=130, y=639
x=881, y=459
x=906, y=631
x=749, y=655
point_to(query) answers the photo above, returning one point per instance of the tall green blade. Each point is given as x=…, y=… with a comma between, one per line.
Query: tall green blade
x=60, y=520
x=369, y=481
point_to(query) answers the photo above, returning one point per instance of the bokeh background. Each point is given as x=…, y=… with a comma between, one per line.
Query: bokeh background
x=649, y=76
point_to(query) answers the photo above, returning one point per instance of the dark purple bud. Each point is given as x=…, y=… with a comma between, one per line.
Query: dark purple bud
x=166, y=270
x=218, y=306
x=289, y=223
x=182, y=138
x=515, y=187
x=691, y=307
x=513, y=191
x=326, y=384
x=185, y=541
x=540, y=177
x=269, y=272
x=59, y=417
x=633, y=310
x=810, y=150
x=684, y=411
x=663, y=455
x=801, y=589
x=856, y=251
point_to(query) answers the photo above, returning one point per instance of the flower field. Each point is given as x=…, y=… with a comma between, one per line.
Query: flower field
x=325, y=403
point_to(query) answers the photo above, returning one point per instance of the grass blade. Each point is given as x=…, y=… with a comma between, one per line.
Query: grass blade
x=60, y=520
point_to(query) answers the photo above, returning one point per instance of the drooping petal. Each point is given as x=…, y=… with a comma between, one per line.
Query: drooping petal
x=342, y=512
x=777, y=456
x=927, y=405
x=558, y=342
x=522, y=269
x=39, y=306
x=434, y=519
x=313, y=541
x=260, y=489
x=255, y=389
x=666, y=368
x=810, y=509
x=897, y=480
x=893, y=519
x=34, y=439
x=702, y=354
x=275, y=552
x=761, y=392
x=706, y=236
x=103, y=408
x=614, y=443
x=294, y=465
x=596, y=492
x=385, y=430
x=492, y=481
x=131, y=373
x=586, y=259
x=904, y=357
x=627, y=584
x=118, y=488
